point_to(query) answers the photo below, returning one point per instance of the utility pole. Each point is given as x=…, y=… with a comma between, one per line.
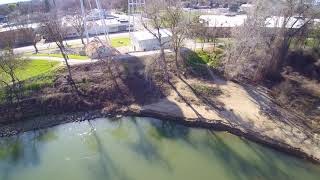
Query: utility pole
x=106, y=32
x=84, y=21
x=135, y=7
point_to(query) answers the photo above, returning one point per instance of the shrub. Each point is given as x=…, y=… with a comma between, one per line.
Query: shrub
x=211, y=59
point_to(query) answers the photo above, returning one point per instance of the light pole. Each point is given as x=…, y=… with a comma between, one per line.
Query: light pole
x=84, y=21
x=106, y=33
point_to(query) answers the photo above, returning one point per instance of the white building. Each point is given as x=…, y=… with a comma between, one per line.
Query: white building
x=223, y=21
x=145, y=41
x=97, y=28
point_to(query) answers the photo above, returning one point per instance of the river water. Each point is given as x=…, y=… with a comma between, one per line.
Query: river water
x=143, y=149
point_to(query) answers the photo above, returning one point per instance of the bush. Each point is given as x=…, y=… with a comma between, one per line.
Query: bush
x=211, y=59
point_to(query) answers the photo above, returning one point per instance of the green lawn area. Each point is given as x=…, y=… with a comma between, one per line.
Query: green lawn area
x=211, y=59
x=36, y=73
x=71, y=56
x=35, y=68
x=120, y=41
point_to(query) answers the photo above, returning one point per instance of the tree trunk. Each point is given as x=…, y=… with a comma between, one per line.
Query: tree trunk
x=163, y=59
x=276, y=62
x=81, y=37
x=36, y=48
x=176, y=52
x=66, y=58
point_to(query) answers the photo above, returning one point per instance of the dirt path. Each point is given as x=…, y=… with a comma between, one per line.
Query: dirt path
x=244, y=108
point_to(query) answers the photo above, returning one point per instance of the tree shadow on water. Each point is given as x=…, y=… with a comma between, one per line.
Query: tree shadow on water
x=241, y=168
x=22, y=151
x=146, y=147
x=106, y=166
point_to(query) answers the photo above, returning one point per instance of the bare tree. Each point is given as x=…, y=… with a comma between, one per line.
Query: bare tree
x=8, y=38
x=263, y=42
x=9, y=64
x=27, y=30
x=53, y=30
x=154, y=25
x=77, y=22
x=177, y=23
x=24, y=30
x=197, y=30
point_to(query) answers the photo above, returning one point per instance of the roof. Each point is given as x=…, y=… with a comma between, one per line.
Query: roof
x=223, y=20
x=238, y=20
x=145, y=35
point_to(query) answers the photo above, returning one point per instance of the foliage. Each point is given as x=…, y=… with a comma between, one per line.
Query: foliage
x=212, y=59
x=9, y=63
x=12, y=6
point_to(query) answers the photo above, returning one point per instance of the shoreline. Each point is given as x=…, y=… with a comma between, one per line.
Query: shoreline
x=215, y=125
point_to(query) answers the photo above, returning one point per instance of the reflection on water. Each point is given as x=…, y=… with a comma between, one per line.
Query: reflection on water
x=142, y=149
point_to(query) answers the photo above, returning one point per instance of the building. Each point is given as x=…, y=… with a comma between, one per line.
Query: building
x=96, y=14
x=145, y=41
x=225, y=21
x=96, y=27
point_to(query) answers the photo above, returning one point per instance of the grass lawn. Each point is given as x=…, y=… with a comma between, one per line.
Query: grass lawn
x=35, y=68
x=120, y=42
x=71, y=56
x=211, y=59
x=35, y=73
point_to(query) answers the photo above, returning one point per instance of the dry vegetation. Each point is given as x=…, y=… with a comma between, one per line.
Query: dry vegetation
x=99, y=89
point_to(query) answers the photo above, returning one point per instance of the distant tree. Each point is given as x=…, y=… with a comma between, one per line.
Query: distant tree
x=121, y=5
x=154, y=24
x=25, y=27
x=197, y=30
x=8, y=40
x=258, y=50
x=234, y=7
x=12, y=7
x=47, y=5
x=53, y=30
x=77, y=22
x=177, y=22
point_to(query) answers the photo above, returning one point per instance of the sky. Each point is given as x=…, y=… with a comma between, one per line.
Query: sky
x=10, y=1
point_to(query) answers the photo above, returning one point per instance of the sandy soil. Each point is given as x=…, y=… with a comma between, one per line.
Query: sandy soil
x=245, y=108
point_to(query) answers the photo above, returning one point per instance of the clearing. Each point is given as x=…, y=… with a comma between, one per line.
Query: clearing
x=120, y=41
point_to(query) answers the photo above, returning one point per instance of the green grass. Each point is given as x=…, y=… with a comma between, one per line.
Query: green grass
x=120, y=42
x=71, y=56
x=211, y=59
x=35, y=68
x=35, y=74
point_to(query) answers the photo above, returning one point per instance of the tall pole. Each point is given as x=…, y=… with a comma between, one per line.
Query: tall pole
x=106, y=33
x=129, y=13
x=84, y=21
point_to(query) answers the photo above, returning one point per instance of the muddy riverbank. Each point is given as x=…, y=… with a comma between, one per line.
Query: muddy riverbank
x=218, y=105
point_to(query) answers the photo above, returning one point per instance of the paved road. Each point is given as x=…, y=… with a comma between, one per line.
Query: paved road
x=45, y=46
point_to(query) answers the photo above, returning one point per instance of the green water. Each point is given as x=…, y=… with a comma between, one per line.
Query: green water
x=142, y=149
